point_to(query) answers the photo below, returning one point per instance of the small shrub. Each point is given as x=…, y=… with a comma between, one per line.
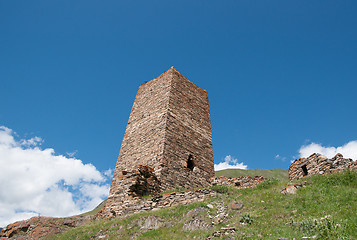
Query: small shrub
x=323, y=228
x=246, y=218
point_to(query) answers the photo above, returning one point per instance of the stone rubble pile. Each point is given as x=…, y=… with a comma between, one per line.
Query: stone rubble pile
x=220, y=215
x=224, y=232
x=132, y=203
x=196, y=224
x=319, y=164
x=151, y=222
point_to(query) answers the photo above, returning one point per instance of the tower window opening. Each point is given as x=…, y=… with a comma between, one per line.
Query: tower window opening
x=304, y=170
x=190, y=163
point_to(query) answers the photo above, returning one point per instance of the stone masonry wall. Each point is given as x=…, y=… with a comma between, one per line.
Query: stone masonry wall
x=169, y=136
x=143, y=140
x=187, y=136
x=319, y=164
x=239, y=182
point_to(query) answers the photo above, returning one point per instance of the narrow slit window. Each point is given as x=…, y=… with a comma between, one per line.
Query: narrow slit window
x=190, y=163
x=304, y=170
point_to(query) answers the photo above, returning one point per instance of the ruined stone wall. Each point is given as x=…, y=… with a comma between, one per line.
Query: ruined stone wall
x=319, y=164
x=239, y=182
x=157, y=201
x=135, y=205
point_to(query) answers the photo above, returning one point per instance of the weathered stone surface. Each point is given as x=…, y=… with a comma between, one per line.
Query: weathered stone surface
x=226, y=232
x=195, y=211
x=134, y=205
x=196, y=224
x=38, y=227
x=354, y=166
x=239, y=182
x=236, y=206
x=151, y=222
x=167, y=142
x=293, y=188
x=319, y=164
x=210, y=206
x=100, y=235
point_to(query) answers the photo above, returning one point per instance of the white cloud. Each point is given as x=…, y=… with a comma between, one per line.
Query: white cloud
x=349, y=150
x=35, y=181
x=71, y=154
x=109, y=173
x=229, y=163
x=278, y=157
x=31, y=142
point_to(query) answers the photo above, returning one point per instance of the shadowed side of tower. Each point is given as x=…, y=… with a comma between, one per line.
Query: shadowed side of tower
x=188, y=156
x=167, y=142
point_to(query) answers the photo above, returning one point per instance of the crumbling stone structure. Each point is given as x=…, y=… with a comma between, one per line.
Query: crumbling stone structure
x=167, y=142
x=319, y=164
x=163, y=200
x=239, y=182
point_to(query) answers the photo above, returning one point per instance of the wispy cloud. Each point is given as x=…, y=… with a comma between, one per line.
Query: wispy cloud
x=109, y=173
x=71, y=154
x=36, y=181
x=348, y=150
x=32, y=142
x=229, y=163
x=278, y=157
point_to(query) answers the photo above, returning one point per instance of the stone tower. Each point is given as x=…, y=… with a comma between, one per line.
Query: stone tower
x=167, y=142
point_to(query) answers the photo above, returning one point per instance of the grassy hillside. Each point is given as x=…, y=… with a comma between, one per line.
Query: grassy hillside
x=324, y=209
x=281, y=174
x=95, y=210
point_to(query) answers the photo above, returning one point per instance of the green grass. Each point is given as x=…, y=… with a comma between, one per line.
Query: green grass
x=281, y=174
x=95, y=210
x=325, y=208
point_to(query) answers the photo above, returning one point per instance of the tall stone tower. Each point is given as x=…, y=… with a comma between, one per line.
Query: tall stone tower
x=167, y=142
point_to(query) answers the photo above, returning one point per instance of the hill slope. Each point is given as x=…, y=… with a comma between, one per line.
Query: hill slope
x=325, y=209
x=281, y=174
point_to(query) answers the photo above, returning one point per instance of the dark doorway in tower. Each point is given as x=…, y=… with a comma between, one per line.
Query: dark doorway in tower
x=190, y=163
x=304, y=170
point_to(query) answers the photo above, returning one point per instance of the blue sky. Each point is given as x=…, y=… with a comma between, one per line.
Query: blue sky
x=279, y=74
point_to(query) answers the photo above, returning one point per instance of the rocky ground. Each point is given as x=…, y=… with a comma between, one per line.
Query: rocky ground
x=232, y=208
x=38, y=227
x=318, y=207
